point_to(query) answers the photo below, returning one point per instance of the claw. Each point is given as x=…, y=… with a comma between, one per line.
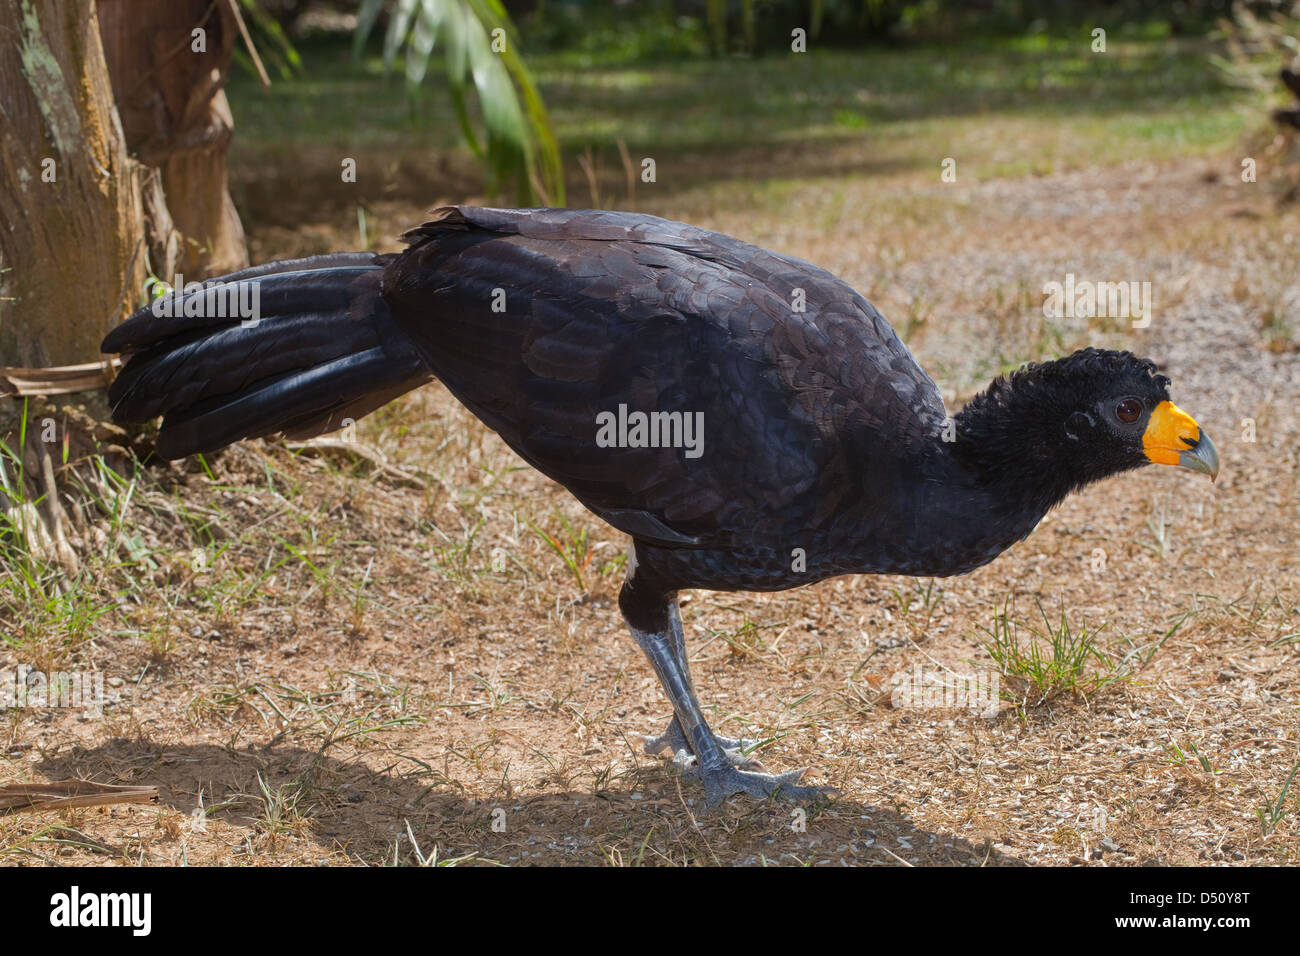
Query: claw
x=672, y=740
x=675, y=742
x=722, y=782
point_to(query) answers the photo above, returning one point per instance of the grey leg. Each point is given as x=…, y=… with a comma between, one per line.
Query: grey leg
x=666, y=651
x=673, y=739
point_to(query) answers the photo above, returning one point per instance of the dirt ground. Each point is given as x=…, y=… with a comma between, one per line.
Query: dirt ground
x=395, y=663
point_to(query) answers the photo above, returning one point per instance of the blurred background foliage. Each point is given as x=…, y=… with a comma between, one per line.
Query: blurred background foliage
x=1014, y=54
x=641, y=30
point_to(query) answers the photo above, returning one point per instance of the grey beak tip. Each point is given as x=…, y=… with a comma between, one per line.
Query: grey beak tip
x=1203, y=458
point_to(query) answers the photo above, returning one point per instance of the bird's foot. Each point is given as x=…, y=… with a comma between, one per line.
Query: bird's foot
x=722, y=781
x=683, y=754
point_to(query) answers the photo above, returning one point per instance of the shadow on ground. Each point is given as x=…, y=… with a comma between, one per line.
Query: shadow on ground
x=262, y=795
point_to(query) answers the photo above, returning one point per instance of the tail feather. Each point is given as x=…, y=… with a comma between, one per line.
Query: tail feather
x=324, y=348
x=179, y=375
x=271, y=405
x=332, y=260
x=279, y=294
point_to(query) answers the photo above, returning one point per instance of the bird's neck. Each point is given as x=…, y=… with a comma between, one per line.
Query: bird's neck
x=1015, y=451
x=982, y=486
x=963, y=520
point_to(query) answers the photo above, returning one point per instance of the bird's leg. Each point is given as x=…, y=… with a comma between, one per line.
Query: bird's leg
x=673, y=739
x=720, y=776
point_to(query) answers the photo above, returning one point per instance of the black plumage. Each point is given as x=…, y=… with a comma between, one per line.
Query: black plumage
x=825, y=449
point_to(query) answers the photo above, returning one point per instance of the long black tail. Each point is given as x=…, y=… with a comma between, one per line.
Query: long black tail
x=320, y=347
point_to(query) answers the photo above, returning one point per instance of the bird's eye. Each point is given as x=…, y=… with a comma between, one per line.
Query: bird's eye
x=1129, y=410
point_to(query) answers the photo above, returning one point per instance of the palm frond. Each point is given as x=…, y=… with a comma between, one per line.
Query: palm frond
x=516, y=140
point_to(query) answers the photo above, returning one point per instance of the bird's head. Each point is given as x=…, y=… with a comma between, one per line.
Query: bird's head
x=1060, y=425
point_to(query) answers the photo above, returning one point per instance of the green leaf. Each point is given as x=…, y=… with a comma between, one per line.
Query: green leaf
x=366, y=18
x=399, y=25
x=515, y=140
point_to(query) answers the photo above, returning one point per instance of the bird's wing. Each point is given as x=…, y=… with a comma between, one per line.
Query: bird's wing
x=541, y=320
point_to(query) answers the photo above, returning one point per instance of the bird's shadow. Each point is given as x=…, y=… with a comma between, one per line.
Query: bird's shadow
x=282, y=793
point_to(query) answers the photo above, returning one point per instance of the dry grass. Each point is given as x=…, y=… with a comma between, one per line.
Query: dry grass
x=427, y=665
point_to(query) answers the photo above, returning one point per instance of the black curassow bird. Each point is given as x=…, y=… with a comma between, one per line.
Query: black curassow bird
x=825, y=449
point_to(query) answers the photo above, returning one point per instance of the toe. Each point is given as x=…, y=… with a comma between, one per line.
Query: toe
x=722, y=782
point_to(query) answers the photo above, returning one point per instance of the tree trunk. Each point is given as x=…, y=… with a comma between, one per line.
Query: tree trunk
x=167, y=80
x=72, y=257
